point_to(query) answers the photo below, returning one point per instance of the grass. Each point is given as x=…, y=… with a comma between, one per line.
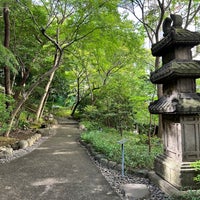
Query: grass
x=136, y=148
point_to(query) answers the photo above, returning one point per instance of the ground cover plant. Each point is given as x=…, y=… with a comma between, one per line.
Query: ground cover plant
x=137, y=154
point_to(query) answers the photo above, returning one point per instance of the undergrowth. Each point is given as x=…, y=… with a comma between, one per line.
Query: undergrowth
x=136, y=148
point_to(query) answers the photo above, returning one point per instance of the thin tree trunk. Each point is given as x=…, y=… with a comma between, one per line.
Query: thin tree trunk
x=44, y=97
x=6, y=44
x=77, y=98
x=44, y=105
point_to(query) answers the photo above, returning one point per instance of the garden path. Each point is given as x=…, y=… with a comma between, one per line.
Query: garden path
x=59, y=169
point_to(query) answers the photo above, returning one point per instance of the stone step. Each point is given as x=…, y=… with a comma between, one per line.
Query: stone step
x=135, y=191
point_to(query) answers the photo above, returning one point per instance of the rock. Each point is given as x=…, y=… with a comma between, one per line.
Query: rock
x=98, y=157
x=111, y=164
x=15, y=146
x=104, y=161
x=30, y=142
x=37, y=136
x=23, y=144
x=118, y=167
x=135, y=191
x=82, y=127
x=5, y=152
x=93, y=152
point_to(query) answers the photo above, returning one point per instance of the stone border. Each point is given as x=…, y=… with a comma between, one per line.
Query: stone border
x=102, y=159
x=6, y=151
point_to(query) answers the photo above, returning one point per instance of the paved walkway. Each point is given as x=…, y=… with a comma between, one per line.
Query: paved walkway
x=59, y=169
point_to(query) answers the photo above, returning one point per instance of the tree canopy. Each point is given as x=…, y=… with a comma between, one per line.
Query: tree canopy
x=86, y=56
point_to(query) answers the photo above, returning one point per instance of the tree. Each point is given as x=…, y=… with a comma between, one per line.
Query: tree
x=67, y=23
x=95, y=60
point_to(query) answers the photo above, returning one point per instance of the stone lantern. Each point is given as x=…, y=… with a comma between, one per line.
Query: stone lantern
x=179, y=105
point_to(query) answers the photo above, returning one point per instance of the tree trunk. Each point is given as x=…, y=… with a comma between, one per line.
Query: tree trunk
x=31, y=88
x=44, y=105
x=6, y=44
x=44, y=97
x=77, y=98
x=74, y=108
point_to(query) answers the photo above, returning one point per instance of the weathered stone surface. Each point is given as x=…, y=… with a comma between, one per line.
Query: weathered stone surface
x=179, y=104
x=104, y=161
x=135, y=191
x=112, y=164
x=38, y=136
x=118, y=167
x=23, y=144
x=5, y=152
x=98, y=157
x=30, y=142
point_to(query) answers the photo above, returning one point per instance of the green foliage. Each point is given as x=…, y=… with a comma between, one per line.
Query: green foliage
x=7, y=58
x=4, y=111
x=60, y=111
x=23, y=121
x=90, y=125
x=196, y=165
x=189, y=195
x=136, y=149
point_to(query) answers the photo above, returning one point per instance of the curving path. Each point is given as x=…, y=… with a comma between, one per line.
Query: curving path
x=59, y=169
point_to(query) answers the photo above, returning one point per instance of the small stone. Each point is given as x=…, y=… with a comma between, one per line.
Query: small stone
x=5, y=152
x=98, y=157
x=104, y=161
x=118, y=167
x=112, y=164
x=92, y=151
x=23, y=144
x=30, y=142
x=135, y=191
x=38, y=136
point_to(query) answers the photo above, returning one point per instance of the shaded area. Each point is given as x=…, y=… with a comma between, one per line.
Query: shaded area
x=59, y=169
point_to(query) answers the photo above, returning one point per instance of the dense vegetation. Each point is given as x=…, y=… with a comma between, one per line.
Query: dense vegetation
x=88, y=57
x=137, y=155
